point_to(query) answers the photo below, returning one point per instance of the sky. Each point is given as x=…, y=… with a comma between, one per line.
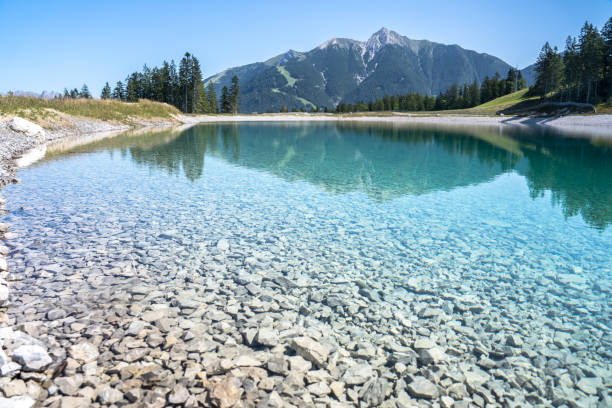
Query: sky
x=49, y=45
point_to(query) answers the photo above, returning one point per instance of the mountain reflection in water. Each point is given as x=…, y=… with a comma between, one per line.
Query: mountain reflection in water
x=385, y=162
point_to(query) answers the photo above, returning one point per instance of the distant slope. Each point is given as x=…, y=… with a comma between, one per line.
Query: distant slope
x=346, y=70
x=529, y=73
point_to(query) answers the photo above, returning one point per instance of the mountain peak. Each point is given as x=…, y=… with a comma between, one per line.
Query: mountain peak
x=339, y=42
x=383, y=37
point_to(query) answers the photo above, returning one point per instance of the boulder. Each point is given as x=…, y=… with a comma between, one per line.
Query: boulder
x=23, y=401
x=358, y=374
x=4, y=294
x=32, y=358
x=84, y=352
x=25, y=126
x=310, y=349
x=226, y=393
x=421, y=387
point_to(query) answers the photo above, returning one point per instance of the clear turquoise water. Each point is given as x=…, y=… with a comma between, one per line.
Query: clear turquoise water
x=519, y=221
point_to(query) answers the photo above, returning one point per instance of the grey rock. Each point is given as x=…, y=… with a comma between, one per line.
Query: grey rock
x=421, y=387
x=278, y=365
x=178, y=395
x=358, y=374
x=475, y=378
x=68, y=385
x=267, y=337
x=310, y=349
x=133, y=395
x=319, y=389
x=589, y=385
x=432, y=355
x=32, y=358
x=514, y=340
x=374, y=391
x=110, y=396
x=56, y=314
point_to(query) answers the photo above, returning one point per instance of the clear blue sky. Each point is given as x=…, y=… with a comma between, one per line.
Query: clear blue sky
x=55, y=44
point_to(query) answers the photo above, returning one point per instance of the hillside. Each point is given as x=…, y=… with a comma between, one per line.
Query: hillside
x=347, y=70
x=37, y=108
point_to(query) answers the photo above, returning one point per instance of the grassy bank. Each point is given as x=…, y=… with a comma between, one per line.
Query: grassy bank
x=37, y=108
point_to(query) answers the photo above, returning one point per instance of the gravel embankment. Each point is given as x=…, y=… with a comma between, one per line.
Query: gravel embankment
x=598, y=125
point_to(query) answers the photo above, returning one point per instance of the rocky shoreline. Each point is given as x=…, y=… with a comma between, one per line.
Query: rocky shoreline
x=245, y=332
x=22, y=353
x=593, y=125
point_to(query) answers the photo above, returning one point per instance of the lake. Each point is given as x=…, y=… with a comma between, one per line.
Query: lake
x=477, y=260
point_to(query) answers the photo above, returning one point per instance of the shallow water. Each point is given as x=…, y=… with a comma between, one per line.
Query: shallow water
x=514, y=224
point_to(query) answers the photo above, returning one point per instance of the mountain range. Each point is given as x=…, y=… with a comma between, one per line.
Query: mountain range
x=345, y=70
x=43, y=94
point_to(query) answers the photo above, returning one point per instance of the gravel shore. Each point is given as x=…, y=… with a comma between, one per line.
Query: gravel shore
x=598, y=125
x=241, y=333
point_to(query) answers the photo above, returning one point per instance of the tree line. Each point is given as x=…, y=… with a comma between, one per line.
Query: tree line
x=455, y=97
x=180, y=86
x=582, y=72
x=75, y=93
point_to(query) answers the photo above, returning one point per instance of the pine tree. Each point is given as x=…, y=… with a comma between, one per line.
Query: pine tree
x=185, y=67
x=234, y=93
x=119, y=91
x=606, y=34
x=226, y=103
x=66, y=94
x=74, y=93
x=475, y=94
x=198, y=97
x=549, y=70
x=571, y=74
x=106, y=92
x=174, y=86
x=592, y=53
x=213, y=102
x=133, y=89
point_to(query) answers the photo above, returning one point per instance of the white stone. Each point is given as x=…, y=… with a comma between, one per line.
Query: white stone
x=23, y=401
x=84, y=352
x=9, y=369
x=32, y=358
x=223, y=244
x=4, y=294
x=25, y=126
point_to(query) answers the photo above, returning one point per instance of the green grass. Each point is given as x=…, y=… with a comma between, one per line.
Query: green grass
x=506, y=101
x=290, y=80
x=605, y=107
x=490, y=108
x=38, y=108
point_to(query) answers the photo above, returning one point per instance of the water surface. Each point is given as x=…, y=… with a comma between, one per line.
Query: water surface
x=517, y=222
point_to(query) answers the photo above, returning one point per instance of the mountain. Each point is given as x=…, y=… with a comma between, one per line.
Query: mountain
x=347, y=70
x=529, y=73
x=43, y=94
